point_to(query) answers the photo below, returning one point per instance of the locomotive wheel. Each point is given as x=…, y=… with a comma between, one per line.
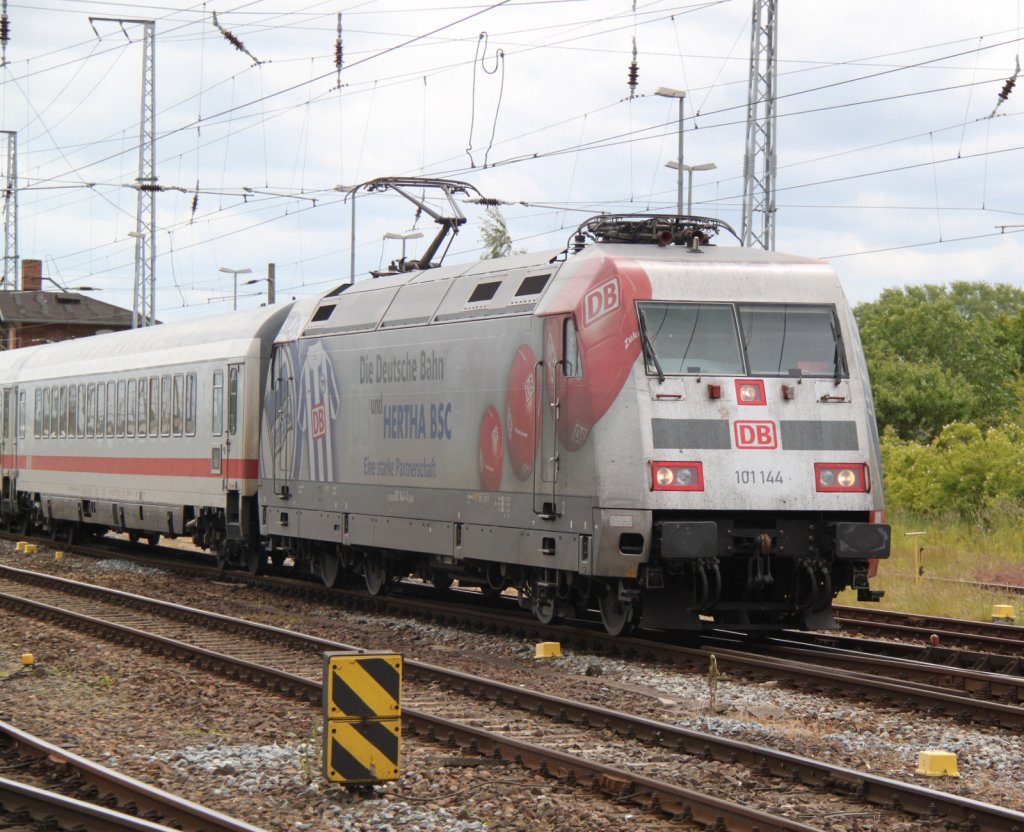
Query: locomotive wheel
x=329, y=567
x=546, y=610
x=616, y=615
x=441, y=579
x=375, y=572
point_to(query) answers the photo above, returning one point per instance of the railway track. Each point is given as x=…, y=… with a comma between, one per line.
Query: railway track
x=55, y=785
x=981, y=688
x=659, y=754
x=971, y=635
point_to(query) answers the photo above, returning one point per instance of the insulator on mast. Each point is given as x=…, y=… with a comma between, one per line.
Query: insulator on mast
x=234, y=41
x=5, y=33
x=339, y=48
x=1004, y=93
x=634, y=72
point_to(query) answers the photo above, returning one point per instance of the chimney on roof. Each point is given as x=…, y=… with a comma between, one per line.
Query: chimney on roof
x=32, y=275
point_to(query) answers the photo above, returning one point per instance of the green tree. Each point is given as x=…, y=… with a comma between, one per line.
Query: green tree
x=964, y=470
x=939, y=354
x=494, y=234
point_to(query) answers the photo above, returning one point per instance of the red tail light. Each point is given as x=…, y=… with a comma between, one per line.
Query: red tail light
x=677, y=476
x=839, y=476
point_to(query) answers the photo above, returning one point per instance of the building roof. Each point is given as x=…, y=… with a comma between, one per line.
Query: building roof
x=20, y=307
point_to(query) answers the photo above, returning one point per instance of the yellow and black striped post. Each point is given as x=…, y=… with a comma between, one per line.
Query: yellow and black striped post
x=362, y=717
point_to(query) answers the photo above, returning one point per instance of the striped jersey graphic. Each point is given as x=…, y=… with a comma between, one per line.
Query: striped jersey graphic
x=318, y=409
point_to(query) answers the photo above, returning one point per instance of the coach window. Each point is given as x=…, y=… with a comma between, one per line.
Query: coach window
x=62, y=413
x=46, y=411
x=142, y=406
x=129, y=428
x=111, y=407
x=190, y=404
x=37, y=414
x=22, y=415
x=72, y=411
x=121, y=407
x=165, y=405
x=101, y=408
x=90, y=411
x=176, y=414
x=8, y=411
x=81, y=410
x=232, y=400
x=55, y=411
x=154, y=406
x=218, y=402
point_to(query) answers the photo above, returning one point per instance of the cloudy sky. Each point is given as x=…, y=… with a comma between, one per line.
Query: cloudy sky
x=893, y=160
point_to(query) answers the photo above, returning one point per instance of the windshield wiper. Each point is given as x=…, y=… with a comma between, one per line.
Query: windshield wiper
x=836, y=358
x=650, y=354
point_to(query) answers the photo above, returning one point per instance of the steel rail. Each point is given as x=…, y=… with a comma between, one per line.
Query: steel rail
x=147, y=799
x=618, y=783
x=921, y=652
x=916, y=695
x=873, y=789
x=67, y=812
x=949, y=630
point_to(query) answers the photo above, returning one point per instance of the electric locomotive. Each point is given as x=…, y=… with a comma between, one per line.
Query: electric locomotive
x=645, y=426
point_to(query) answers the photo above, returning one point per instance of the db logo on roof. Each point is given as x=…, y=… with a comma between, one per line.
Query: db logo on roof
x=600, y=301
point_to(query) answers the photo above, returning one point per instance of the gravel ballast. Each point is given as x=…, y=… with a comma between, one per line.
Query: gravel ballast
x=255, y=754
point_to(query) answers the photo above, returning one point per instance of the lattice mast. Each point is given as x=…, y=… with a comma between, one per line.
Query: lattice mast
x=10, y=185
x=758, y=228
x=144, y=286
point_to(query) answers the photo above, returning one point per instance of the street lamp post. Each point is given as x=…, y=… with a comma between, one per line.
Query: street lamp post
x=668, y=92
x=234, y=274
x=689, y=178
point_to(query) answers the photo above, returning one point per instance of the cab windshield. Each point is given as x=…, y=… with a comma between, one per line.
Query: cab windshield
x=756, y=339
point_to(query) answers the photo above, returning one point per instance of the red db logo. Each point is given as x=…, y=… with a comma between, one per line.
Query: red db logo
x=318, y=421
x=755, y=435
x=600, y=301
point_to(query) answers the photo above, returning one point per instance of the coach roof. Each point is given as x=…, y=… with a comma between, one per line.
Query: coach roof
x=220, y=337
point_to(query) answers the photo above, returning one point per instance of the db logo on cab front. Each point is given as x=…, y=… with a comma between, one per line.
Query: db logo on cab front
x=755, y=435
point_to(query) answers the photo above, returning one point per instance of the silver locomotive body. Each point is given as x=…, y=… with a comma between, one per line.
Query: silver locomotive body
x=674, y=436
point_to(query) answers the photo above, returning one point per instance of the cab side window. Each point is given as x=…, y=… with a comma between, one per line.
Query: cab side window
x=570, y=350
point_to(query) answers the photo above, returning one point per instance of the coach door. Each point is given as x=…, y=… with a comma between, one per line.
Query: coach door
x=233, y=444
x=9, y=442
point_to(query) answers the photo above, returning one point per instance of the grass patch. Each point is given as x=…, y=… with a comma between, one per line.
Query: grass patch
x=954, y=552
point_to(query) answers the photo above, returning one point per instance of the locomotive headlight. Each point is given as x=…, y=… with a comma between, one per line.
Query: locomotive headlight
x=750, y=392
x=677, y=476
x=846, y=478
x=851, y=476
